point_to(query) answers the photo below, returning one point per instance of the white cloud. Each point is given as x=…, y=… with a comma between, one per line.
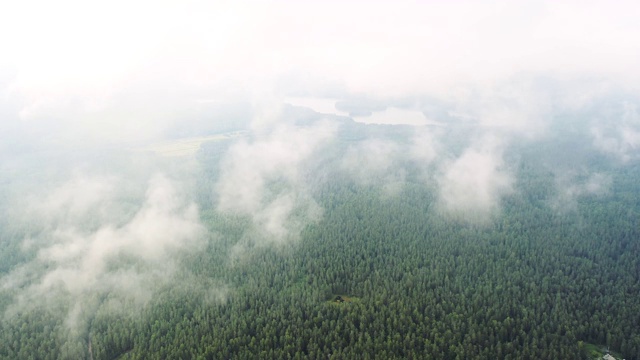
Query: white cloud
x=518, y=106
x=78, y=200
x=264, y=178
x=569, y=189
x=372, y=161
x=472, y=186
x=619, y=134
x=425, y=147
x=75, y=61
x=128, y=261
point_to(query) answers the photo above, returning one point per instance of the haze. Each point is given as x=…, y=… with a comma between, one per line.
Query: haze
x=141, y=140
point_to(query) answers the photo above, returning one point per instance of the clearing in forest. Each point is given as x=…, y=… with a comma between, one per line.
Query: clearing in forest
x=187, y=146
x=338, y=299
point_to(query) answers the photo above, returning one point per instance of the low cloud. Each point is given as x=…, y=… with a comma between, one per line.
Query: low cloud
x=570, y=187
x=471, y=186
x=266, y=179
x=82, y=200
x=375, y=162
x=520, y=106
x=124, y=261
x=386, y=163
x=425, y=146
x=619, y=133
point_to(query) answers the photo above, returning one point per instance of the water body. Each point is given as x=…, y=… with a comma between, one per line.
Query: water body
x=319, y=105
x=395, y=116
x=389, y=116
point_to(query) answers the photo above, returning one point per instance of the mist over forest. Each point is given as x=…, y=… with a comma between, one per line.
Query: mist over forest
x=272, y=180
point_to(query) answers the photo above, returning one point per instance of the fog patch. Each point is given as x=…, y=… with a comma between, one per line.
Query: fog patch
x=520, y=106
x=396, y=116
x=425, y=147
x=572, y=186
x=265, y=178
x=619, y=134
x=471, y=186
x=83, y=200
x=319, y=105
x=80, y=267
x=374, y=162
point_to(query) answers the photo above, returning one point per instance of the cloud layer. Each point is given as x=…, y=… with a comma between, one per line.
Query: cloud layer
x=141, y=77
x=266, y=178
x=77, y=262
x=619, y=133
x=472, y=185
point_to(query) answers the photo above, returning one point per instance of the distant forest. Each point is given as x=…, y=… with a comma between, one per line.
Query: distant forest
x=543, y=277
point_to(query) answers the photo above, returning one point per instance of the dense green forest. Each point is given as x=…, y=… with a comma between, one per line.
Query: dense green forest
x=535, y=281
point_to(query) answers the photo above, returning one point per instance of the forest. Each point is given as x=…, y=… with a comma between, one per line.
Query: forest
x=548, y=271
x=279, y=179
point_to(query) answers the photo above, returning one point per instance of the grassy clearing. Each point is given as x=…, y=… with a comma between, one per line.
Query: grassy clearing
x=593, y=351
x=188, y=146
x=345, y=299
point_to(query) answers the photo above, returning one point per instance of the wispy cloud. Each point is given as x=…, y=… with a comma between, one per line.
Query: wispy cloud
x=472, y=185
x=266, y=177
x=571, y=186
x=77, y=262
x=619, y=133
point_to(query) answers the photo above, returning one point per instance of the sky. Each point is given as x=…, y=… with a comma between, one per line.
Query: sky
x=129, y=70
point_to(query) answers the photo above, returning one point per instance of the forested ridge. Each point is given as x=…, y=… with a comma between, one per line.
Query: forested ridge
x=534, y=282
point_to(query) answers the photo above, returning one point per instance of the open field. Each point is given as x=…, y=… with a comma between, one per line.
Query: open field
x=187, y=146
x=339, y=299
x=594, y=351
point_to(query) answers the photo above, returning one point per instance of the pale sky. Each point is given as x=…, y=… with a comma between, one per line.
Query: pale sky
x=135, y=64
